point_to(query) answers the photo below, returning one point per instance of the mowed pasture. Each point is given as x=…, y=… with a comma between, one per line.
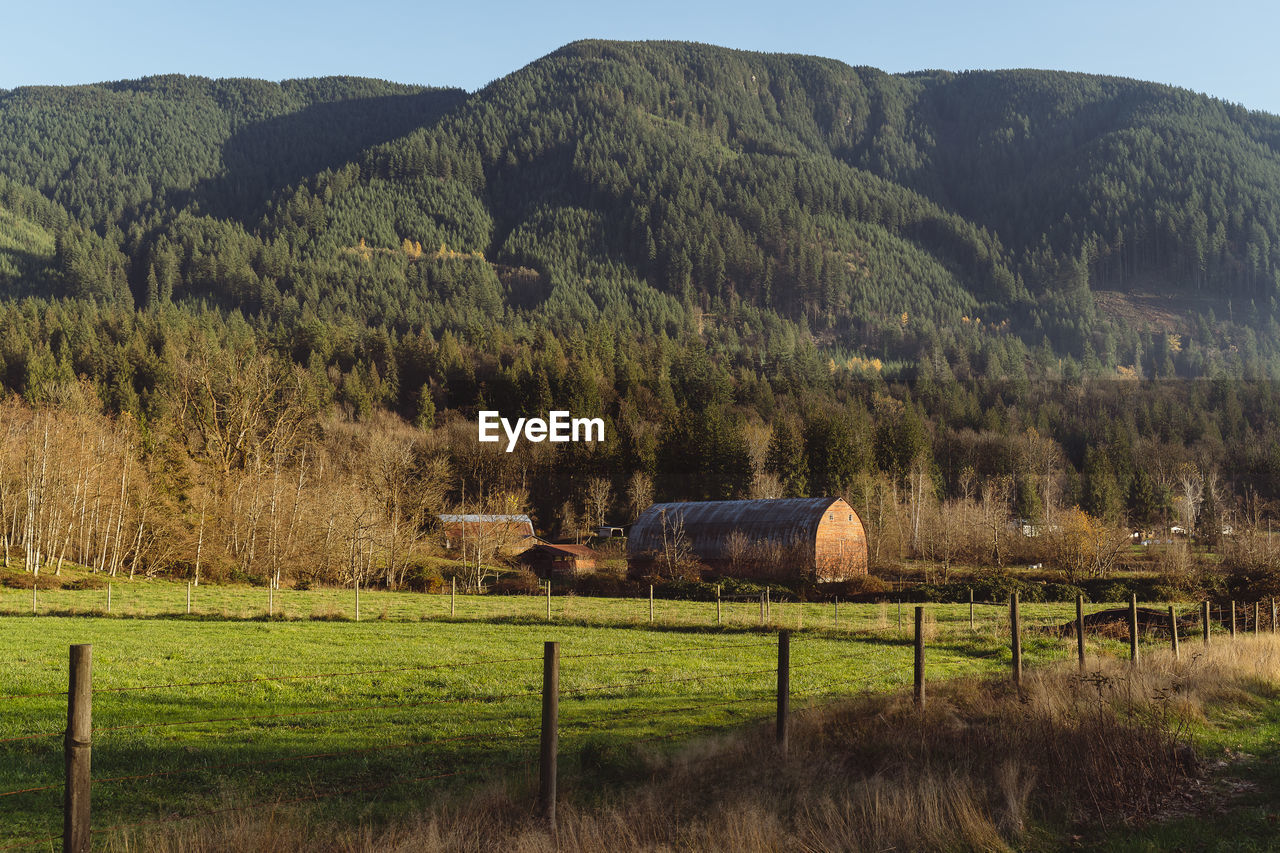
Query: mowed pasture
x=142, y=599
x=227, y=709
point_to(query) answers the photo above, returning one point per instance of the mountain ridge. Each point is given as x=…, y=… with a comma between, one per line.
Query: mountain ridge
x=840, y=197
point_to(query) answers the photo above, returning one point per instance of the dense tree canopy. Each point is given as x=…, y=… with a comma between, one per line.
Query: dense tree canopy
x=769, y=274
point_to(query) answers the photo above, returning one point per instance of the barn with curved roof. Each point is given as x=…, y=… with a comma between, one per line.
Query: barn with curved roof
x=785, y=538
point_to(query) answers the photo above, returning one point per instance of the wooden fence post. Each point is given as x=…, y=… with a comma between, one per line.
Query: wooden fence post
x=550, y=731
x=784, y=688
x=1080, y=629
x=188, y=598
x=1233, y=619
x=76, y=837
x=718, y=604
x=357, y=598
x=1133, y=628
x=1257, y=616
x=650, y=604
x=1173, y=631
x=919, y=660
x=1273, y=614
x=970, y=608
x=453, y=597
x=768, y=604
x=548, y=599
x=33, y=595
x=1015, y=627
x=1204, y=619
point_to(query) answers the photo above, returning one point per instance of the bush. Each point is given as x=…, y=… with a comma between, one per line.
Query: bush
x=864, y=588
x=519, y=582
x=607, y=584
x=421, y=577
x=696, y=590
x=86, y=582
x=238, y=575
x=997, y=589
x=23, y=580
x=1109, y=590
x=1119, y=590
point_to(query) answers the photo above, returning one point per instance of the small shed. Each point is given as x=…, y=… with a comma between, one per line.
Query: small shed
x=559, y=561
x=780, y=539
x=504, y=533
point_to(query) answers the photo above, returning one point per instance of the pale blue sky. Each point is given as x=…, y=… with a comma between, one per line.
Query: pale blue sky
x=1226, y=49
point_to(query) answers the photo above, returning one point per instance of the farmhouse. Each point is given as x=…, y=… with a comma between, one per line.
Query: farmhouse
x=789, y=538
x=559, y=561
x=504, y=533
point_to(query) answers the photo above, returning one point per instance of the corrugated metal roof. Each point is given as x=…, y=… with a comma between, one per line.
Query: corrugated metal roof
x=486, y=519
x=708, y=524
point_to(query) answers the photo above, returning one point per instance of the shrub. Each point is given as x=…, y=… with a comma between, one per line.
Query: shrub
x=23, y=580
x=518, y=582
x=697, y=590
x=607, y=584
x=1120, y=589
x=421, y=577
x=996, y=588
x=1250, y=568
x=865, y=587
x=86, y=582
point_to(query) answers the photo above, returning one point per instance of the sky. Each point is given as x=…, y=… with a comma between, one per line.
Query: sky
x=1223, y=49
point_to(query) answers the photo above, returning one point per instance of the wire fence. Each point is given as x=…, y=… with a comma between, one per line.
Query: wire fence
x=734, y=690
x=655, y=713
x=164, y=599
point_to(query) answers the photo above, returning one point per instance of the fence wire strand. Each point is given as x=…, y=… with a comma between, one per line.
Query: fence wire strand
x=670, y=651
x=321, y=712
x=32, y=736
x=32, y=696
x=366, y=750
x=422, y=668
x=31, y=790
x=311, y=798
x=33, y=841
x=660, y=682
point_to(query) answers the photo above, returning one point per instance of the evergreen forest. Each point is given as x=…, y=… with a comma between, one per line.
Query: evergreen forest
x=247, y=325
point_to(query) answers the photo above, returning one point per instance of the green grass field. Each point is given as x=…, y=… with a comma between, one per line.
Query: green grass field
x=146, y=598
x=373, y=718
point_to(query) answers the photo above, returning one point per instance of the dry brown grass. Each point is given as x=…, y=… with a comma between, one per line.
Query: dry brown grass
x=982, y=768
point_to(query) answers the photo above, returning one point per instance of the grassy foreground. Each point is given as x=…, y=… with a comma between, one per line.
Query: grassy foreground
x=368, y=722
x=1117, y=759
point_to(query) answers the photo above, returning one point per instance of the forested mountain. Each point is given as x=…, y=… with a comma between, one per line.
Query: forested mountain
x=616, y=180
x=717, y=251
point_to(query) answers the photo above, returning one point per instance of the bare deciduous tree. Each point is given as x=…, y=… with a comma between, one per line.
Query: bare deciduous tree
x=675, y=559
x=994, y=513
x=1190, y=485
x=599, y=496
x=639, y=493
